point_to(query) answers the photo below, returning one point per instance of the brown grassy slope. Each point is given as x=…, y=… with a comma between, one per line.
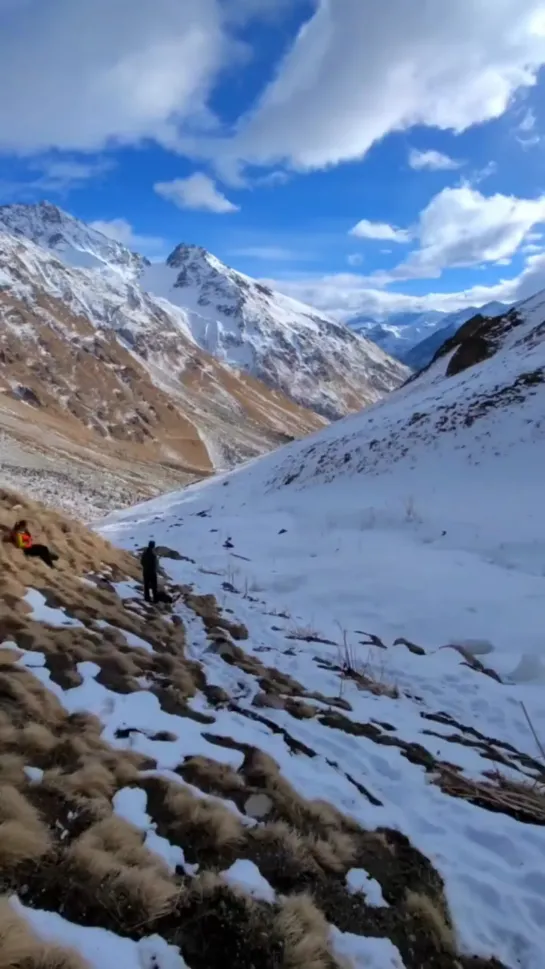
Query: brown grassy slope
x=84, y=378
x=62, y=849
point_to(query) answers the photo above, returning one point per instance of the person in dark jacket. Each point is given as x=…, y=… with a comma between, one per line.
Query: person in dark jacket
x=149, y=572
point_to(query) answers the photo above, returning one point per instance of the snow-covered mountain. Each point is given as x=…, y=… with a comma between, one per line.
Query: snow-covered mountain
x=400, y=332
x=97, y=373
x=403, y=334
x=354, y=559
x=314, y=360
x=317, y=362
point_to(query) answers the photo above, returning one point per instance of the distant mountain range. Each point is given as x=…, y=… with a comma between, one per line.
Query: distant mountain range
x=414, y=338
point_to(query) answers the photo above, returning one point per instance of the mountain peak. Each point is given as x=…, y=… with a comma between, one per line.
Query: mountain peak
x=184, y=252
x=77, y=244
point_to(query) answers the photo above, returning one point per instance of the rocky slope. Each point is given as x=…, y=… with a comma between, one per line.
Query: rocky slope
x=95, y=369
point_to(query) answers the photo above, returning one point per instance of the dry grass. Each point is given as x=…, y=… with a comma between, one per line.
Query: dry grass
x=213, y=777
x=20, y=949
x=115, y=868
x=305, y=933
x=428, y=911
x=192, y=814
x=522, y=800
x=316, y=817
x=364, y=671
x=23, y=835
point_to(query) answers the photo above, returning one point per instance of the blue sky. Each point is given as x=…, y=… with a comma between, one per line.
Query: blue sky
x=367, y=159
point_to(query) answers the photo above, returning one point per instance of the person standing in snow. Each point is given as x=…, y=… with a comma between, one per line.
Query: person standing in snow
x=149, y=572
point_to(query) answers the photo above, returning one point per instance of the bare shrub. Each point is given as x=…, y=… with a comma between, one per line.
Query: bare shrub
x=35, y=738
x=363, y=671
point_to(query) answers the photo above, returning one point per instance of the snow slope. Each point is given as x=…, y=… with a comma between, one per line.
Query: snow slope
x=420, y=519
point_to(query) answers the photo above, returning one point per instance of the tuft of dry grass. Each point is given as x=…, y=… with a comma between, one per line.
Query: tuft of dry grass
x=110, y=862
x=92, y=781
x=426, y=910
x=212, y=776
x=20, y=949
x=305, y=932
x=191, y=813
x=23, y=835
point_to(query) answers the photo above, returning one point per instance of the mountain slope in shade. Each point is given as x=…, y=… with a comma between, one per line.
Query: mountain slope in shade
x=402, y=334
x=420, y=355
x=90, y=357
x=400, y=561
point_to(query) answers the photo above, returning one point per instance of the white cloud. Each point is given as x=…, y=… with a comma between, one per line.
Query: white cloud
x=379, y=230
x=354, y=259
x=346, y=294
x=98, y=73
x=481, y=174
x=528, y=122
x=122, y=231
x=460, y=227
x=57, y=176
x=433, y=161
x=198, y=191
x=93, y=71
x=351, y=77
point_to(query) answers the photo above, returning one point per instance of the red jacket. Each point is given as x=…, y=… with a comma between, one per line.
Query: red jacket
x=21, y=538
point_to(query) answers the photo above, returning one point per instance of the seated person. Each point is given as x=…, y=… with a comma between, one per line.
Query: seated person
x=21, y=538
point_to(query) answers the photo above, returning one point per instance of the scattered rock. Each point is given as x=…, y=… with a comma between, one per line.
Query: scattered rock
x=270, y=700
x=223, y=648
x=258, y=806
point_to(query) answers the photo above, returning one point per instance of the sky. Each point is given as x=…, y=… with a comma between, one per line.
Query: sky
x=367, y=158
